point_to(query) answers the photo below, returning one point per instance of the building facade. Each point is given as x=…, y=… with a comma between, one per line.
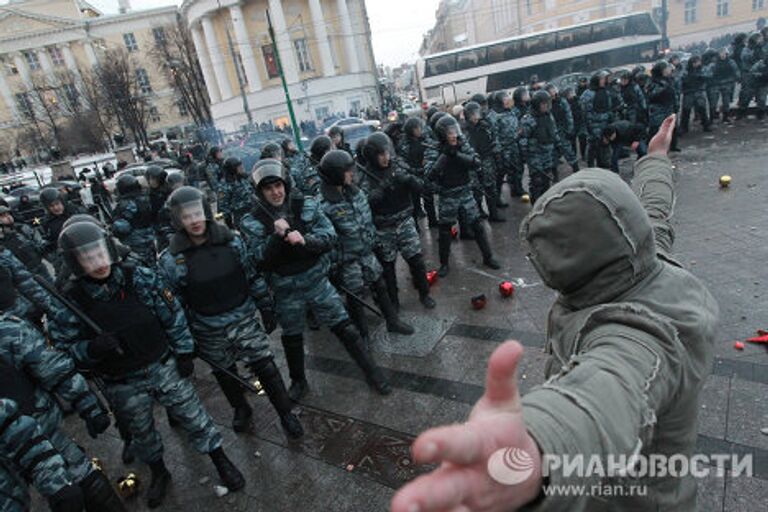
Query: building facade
x=57, y=42
x=324, y=46
x=460, y=23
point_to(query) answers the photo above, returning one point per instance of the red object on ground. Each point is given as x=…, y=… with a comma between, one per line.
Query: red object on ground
x=506, y=289
x=432, y=277
x=479, y=301
x=454, y=231
x=738, y=345
x=759, y=339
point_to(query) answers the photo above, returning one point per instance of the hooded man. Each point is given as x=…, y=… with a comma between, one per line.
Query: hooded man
x=630, y=343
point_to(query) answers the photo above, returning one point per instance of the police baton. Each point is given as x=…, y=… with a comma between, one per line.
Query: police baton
x=229, y=373
x=79, y=313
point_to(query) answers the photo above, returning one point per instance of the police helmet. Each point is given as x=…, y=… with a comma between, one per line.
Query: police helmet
x=412, y=124
x=82, y=217
x=518, y=96
x=437, y=116
x=230, y=166
x=480, y=99
x=471, y=110
x=376, y=144
x=319, y=147
x=128, y=184
x=335, y=164
x=268, y=171
x=188, y=205
x=272, y=150
x=50, y=195
x=86, y=247
x=157, y=174
x=540, y=98
x=445, y=126
x=175, y=180
x=657, y=71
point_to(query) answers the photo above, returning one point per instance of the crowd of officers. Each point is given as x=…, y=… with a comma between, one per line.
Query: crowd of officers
x=206, y=263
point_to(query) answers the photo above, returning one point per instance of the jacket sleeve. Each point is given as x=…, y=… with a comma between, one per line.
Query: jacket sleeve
x=28, y=287
x=157, y=295
x=54, y=371
x=30, y=453
x=121, y=226
x=654, y=185
x=321, y=236
x=257, y=284
x=604, y=401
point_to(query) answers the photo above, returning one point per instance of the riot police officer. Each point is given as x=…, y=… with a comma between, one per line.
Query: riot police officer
x=133, y=219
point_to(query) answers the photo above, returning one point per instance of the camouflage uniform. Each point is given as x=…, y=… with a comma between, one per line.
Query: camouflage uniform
x=213, y=176
x=661, y=102
x=750, y=56
x=561, y=112
x=231, y=336
x=148, y=376
x=235, y=198
x=32, y=294
x=26, y=244
x=596, y=117
x=352, y=220
x=635, y=104
x=132, y=224
x=725, y=74
x=412, y=151
x=49, y=371
x=26, y=456
x=758, y=82
x=309, y=286
x=451, y=198
x=695, y=97
x=544, y=145
x=51, y=227
x=304, y=174
x=483, y=138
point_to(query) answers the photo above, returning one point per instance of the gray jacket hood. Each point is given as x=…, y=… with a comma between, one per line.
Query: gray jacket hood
x=590, y=238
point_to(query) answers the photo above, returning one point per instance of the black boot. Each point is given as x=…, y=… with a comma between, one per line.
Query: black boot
x=390, y=277
x=394, y=324
x=158, y=485
x=494, y=216
x=419, y=276
x=236, y=398
x=481, y=236
x=465, y=228
x=350, y=338
x=444, y=247
x=99, y=495
x=429, y=205
x=312, y=322
x=293, y=345
x=230, y=476
x=272, y=382
x=127, y=454
x=127, y=438
x=357, y=314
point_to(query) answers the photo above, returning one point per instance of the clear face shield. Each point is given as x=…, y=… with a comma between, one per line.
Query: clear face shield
x=190, y=214
x=94, y=257
x=452, y=134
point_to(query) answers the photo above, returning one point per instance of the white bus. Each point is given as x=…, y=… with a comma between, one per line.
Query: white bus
x=450, y=77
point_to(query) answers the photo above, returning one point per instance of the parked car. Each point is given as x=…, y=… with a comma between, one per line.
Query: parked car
x=353, y=121
x=138, y=170
x=355, y=133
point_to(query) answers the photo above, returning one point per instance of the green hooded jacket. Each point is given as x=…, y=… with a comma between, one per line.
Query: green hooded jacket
x=630, y=336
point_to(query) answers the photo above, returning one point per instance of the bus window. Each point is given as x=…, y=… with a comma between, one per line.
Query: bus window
x=641, y=25
x=503, y=51
x=470, y=59
x=440, y=65
x=608, y=30
x=540, y=44
x=574, y=37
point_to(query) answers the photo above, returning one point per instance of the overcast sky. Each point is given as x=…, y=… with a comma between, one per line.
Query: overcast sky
x=397, y=25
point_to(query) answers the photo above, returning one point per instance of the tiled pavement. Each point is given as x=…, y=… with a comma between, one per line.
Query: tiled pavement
x=356, y=450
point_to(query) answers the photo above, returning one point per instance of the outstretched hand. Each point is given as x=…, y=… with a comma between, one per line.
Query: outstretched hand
x=661, y=142
x=462, y=482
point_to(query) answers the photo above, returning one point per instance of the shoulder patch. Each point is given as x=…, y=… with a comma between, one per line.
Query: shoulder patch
x=180, y=260
x=168, y=296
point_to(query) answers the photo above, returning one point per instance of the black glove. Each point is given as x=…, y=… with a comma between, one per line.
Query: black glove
x=185, y=364
x=450, y=150
x=97, y=423
x=269, y=319
x=103, y=345
x=68, y=499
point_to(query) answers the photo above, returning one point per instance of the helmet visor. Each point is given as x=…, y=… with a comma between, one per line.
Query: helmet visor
x=190, y=213
x=93, y=256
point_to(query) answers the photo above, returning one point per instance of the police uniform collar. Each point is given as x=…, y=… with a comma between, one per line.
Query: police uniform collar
x=332, y=194
x=217, y=234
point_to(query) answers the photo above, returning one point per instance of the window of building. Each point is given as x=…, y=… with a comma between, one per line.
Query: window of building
x=57, y=56
x=23, y=104
x=32, y=61
x=502, y=14
x=690, y=11
x=154, y=115
x=723, y=8
x=9, y=67
x=758, y=5
x=130, y=42
x=72, y=94
x=183, y=110
x=269, y=61
x=302, y=55
x=321, y=113
x=159, y=34
x=528, y=7
x=143, y=80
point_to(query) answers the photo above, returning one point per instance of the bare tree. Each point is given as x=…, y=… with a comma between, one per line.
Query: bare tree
x=175, y=55
x=87, y=123
x=120, y=89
